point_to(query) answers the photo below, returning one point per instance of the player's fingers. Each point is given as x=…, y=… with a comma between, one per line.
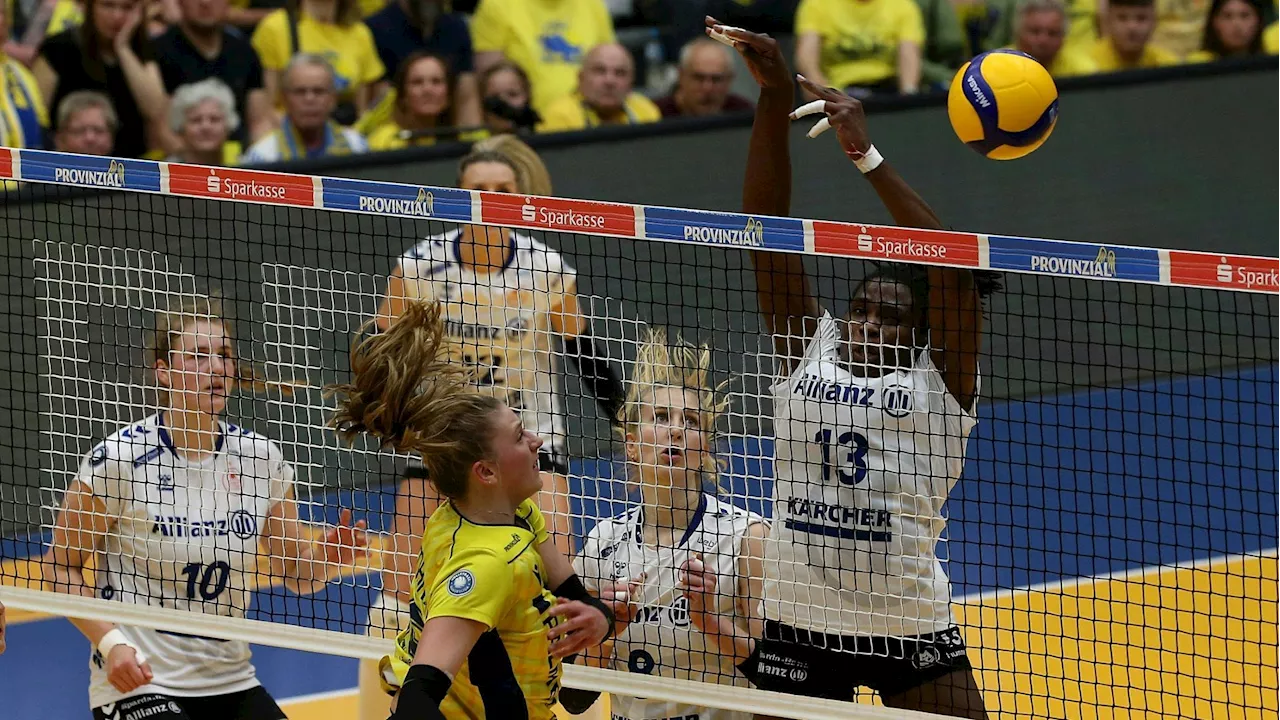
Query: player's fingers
x=819, y=127
x=809, y=108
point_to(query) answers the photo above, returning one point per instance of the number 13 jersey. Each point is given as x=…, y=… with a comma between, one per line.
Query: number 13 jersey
x=186, y=537
x=500, y=322
x=863, y=468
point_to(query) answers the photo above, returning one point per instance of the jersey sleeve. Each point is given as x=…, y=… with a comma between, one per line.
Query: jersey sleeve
x=587, y=562
x=910, y=23
x=823, y=346
x=538, y=524
x=809, y=17
x=280, y=472
x=101, y=471
x=940, y=399
x=489, y=31
x=475, y=584
x=271, y=40
x=557, y=278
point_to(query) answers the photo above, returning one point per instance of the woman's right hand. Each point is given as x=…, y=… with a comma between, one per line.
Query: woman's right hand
x=760, y=52
x=620, y=596
x=124, y=671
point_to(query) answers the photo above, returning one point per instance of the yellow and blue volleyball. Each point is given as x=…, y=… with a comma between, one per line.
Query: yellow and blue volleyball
x=1003, y=104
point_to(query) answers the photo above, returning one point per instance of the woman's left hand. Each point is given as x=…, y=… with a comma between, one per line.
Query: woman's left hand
x=581, y=626
x=131, y=23
x=344, y=543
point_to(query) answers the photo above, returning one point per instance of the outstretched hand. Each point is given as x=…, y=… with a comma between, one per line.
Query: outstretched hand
x=843, y=113
x=760, y=52
x=344, y=542
x=581, y=626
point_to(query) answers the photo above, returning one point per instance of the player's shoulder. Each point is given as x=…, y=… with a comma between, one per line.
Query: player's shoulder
x=535, y=255
x=725, y=513
x=429, y=257
x=245, y=442
x=132, y=445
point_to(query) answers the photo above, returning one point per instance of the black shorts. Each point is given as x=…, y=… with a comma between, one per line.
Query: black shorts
x=819, y=665
x=252, y=704
x=550, y=460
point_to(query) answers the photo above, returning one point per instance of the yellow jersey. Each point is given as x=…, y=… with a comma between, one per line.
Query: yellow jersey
x=571, y=113
x=1108, y=61
x=1068, y=63
x=1082, y=26
x=860, y=38
x=1180, y=25
x=349, y=49
x=546, y=38
x=1271, y=39
x=491, y=574
x=22, y=111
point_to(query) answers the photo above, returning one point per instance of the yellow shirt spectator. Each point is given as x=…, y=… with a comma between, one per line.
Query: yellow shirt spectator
x=548, y=39
x=1271, y=39
x=860, y=38
x=22, y=112
x=1082, y=28
x=571, y=112
x=349, y=49
x=1180, y=25
x=1071, y=63
x=387, y=137
x=1104, y=54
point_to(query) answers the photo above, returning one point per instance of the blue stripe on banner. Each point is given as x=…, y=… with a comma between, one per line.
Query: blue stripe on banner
x=846, y=533
x=90, y=171
x=1074, y=259
x=395, y=199
x=709, y=228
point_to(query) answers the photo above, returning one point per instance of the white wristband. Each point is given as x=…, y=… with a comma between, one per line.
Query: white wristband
x=870, y=160
x=113, y=638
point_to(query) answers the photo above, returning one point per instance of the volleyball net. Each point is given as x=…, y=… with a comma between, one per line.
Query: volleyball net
x=1110, y=545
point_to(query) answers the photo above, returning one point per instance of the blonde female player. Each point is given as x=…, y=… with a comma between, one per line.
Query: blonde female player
x=506, y=297
x=179, y=507
x=682, y=558
x=495, y=604
x=872, y=417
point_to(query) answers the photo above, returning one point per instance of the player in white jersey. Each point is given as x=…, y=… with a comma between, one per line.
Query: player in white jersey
x=509, y=300
x=179, y=508
x=872, y=417
x=683, y=559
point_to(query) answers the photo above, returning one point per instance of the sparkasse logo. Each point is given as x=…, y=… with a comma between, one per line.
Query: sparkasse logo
x=899, y=248
x=751, y=235
x=252, y=190
x=112, y=177
x=569, y=217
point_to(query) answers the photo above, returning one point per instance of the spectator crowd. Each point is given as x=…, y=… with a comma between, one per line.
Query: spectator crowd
x=224, y=82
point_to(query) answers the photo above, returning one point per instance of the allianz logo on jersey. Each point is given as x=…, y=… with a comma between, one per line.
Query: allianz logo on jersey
x=1103, y=265
x=423, y=206
x=112, y=177
x=750, y=235
x=677, y=613
x=471, y=331
x=240, y=523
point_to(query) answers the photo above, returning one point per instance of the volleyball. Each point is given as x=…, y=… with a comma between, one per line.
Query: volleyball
x=1003, y=104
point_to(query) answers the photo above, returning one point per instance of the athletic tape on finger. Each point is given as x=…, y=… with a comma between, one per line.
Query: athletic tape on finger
x=813, y=108
x=718, y=34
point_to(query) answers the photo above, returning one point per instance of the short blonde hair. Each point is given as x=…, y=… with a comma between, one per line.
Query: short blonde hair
x=82, y=100
x=192, y=94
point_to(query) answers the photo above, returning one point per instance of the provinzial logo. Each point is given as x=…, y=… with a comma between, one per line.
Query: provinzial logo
x=383, y=198
x=1102, y=265
x=711, y=228
x=423, y=206
x=1069, y=259
x=113, y=176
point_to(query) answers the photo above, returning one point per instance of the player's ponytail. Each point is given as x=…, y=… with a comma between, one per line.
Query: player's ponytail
x=408, y=394
x=661, y=362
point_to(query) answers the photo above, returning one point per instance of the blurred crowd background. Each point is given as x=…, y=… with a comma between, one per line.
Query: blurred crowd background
x=253, y=82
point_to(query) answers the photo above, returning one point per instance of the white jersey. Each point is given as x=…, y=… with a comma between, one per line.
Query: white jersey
x=500, y=322
x=185, y=536
x=661, y=640
x=863, y=468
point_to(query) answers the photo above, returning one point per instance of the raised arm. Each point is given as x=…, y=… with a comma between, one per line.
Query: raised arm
x=955, y=310
x=789, y=307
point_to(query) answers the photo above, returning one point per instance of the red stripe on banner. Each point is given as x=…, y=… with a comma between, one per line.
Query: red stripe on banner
x=1224, y=271
x=6, y=163
x=877, y=242
x=581, y=216
x=247, y=185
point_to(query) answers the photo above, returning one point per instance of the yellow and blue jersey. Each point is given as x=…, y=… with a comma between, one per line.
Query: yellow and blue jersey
x=493, y=575
x=22, y=112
